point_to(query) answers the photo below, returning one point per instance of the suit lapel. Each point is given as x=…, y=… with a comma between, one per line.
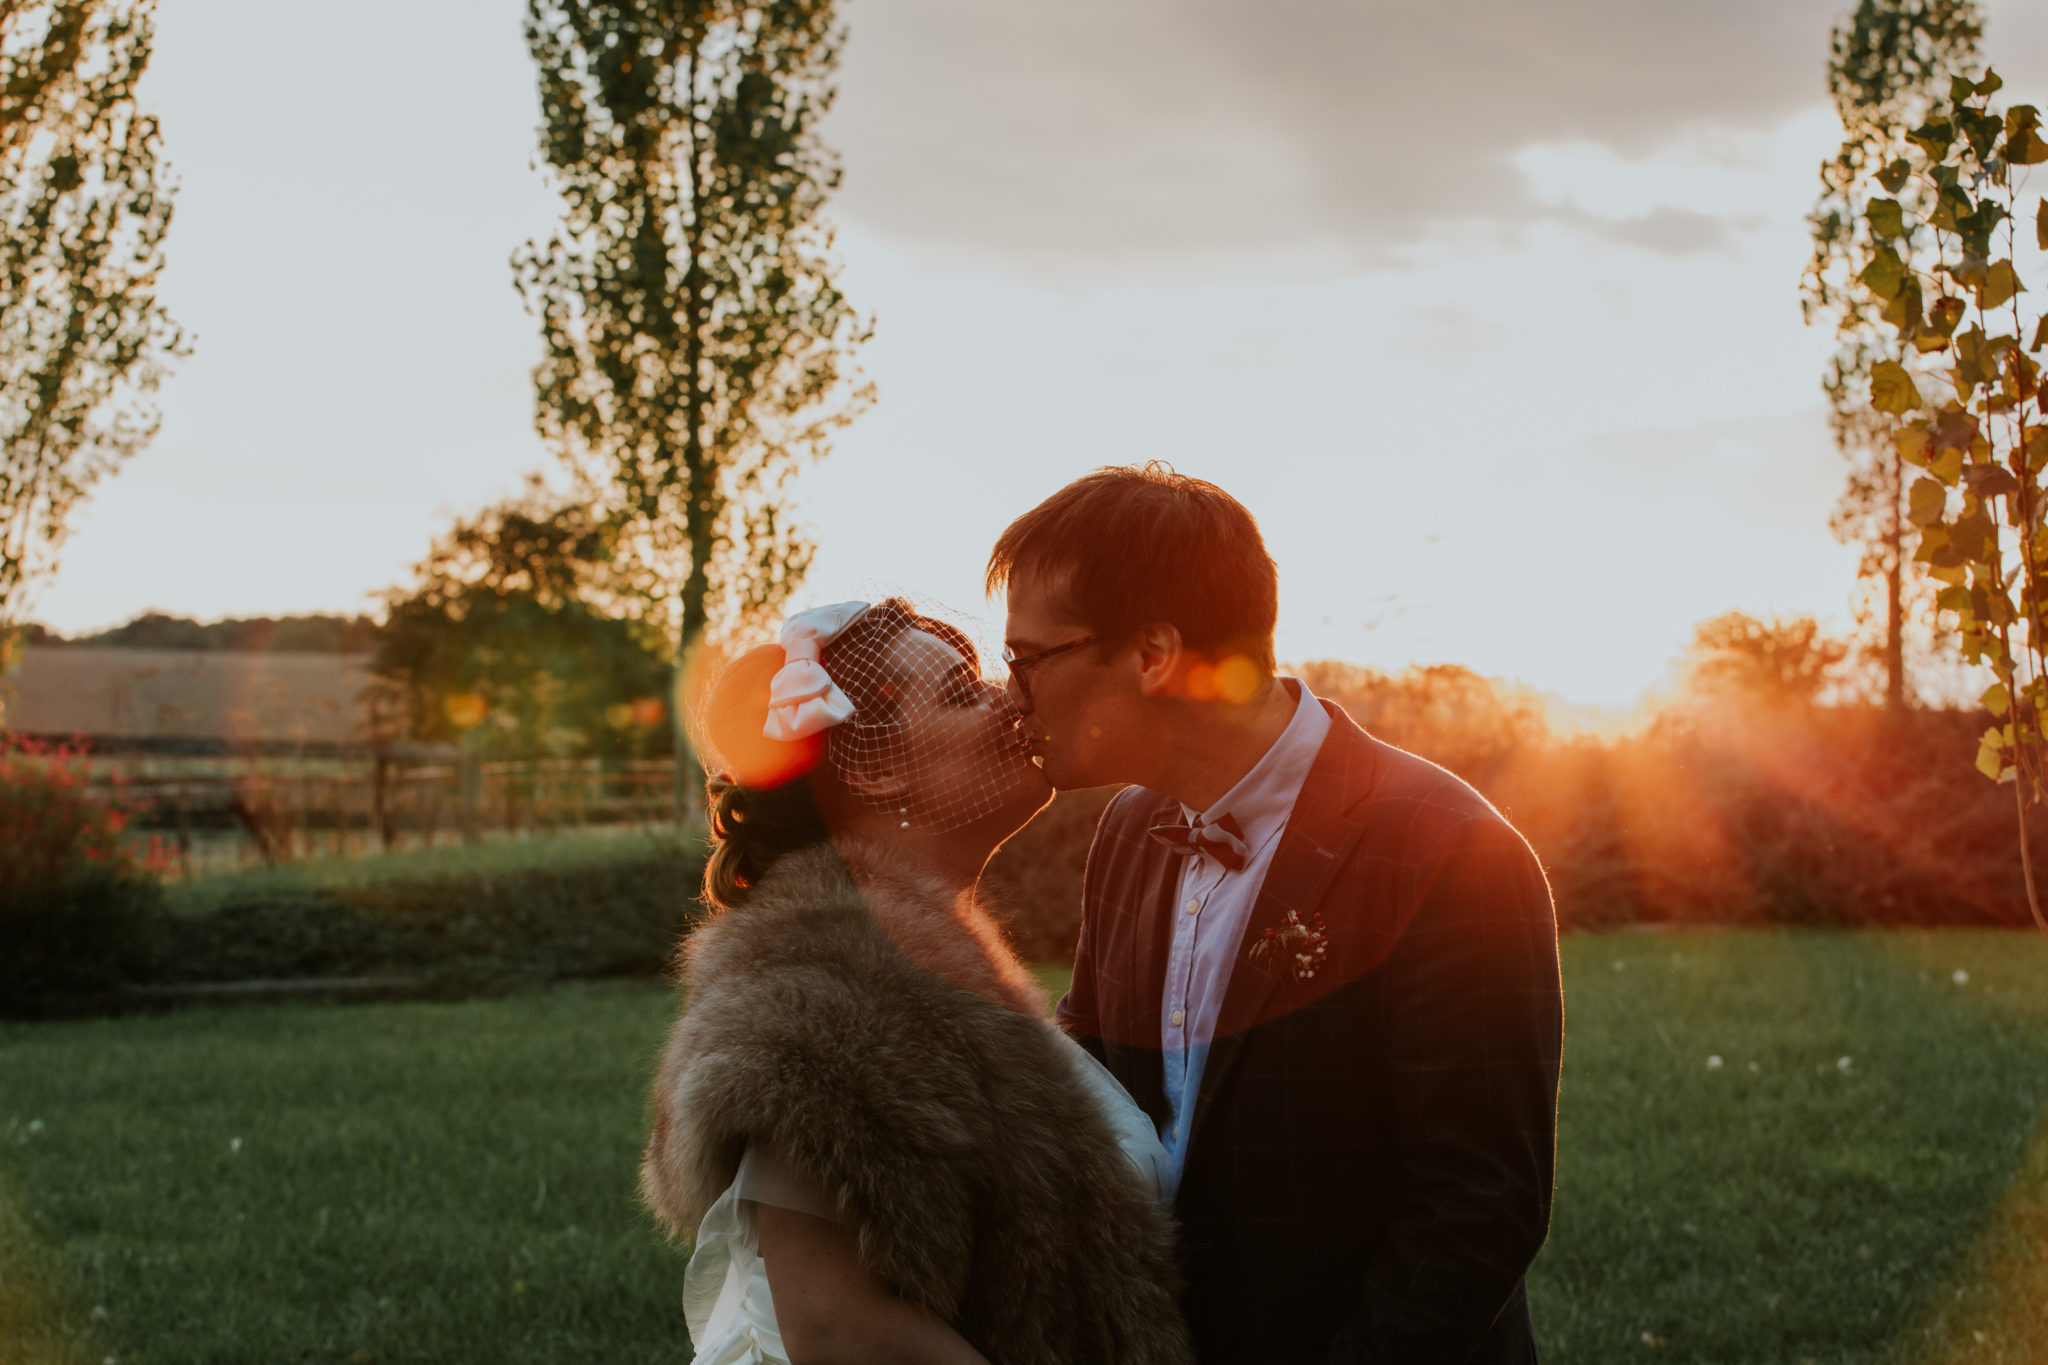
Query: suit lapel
x=1318, y=836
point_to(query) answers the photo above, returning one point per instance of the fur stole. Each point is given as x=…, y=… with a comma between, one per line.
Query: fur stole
x=944, y=1119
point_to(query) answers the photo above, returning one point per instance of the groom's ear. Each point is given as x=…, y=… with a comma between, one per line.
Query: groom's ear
x=1161, y=659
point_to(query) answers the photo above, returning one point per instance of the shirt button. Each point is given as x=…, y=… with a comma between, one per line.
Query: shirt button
x=1178, y=1015
x=1192, y=907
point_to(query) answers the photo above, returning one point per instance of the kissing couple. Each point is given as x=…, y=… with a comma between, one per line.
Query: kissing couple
x=1299, y=1103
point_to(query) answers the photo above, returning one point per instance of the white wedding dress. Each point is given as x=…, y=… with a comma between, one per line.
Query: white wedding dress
x=725, y=1289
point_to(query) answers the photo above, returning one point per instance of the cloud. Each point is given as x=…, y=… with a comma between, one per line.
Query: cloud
x=1136, y=129
x=1663, y=231
x=1127, y=132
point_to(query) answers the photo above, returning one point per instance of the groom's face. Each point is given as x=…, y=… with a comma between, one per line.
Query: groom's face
x=1077, y=706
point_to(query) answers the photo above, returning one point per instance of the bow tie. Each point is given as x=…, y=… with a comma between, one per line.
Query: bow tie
x=1221, y=839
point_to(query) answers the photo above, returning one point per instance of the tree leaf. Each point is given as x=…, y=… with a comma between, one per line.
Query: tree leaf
x=2000, y=284
x=1989, y=761
x=1952, y=599
x=1982, y=130
x=1926, y=501
x=1944, y=314
x=1894, y=175
x=2026, y=147
x=1913, y=443
x=1991, y=481
x=1961, y=89
x=1887, y=217
x=1991, y=84
x=1996, y=699
x=1885, y=274
x=1951, y=206
x=2041, y=224
x=2040, y=334
x=1947, y=466
x=1933, y=137
x=1892, y=389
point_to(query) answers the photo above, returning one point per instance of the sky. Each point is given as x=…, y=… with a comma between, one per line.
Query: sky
x=1487, y=310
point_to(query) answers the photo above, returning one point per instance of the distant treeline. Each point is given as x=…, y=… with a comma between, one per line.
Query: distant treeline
x=316, y=634
x=1730, y=808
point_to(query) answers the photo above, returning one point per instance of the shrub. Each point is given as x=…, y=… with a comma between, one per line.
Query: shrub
x=77, y=907
x=617, y=916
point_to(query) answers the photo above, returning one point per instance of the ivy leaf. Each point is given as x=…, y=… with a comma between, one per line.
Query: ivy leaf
x=1952, y=599
x=1996, y=699
x=2000, y=284
x=1892, y=389
x=1885, y=273
x=1887, y=218
x=1961, y=89
x=2025, y=147
x=1926, y=501
x=1989, y=761
x=1894, y=176
x=1991, y=84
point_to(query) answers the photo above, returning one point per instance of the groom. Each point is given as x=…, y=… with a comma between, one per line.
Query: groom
x=1325, y=967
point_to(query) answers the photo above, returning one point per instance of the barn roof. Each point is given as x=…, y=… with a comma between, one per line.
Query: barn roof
x=203, y=695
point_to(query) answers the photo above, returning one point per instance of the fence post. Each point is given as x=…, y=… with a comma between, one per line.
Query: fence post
x=472, y=792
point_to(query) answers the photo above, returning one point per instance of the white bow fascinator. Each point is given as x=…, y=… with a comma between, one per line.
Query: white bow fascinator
x=802, y=699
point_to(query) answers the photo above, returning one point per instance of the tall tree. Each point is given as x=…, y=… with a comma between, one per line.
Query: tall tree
x=699, y=349
x=83, y=212
x=1888, y=62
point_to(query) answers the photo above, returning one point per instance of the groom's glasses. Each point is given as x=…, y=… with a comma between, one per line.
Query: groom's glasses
x=1020, y=665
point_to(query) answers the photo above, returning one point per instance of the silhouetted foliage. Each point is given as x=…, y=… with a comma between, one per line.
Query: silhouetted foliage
x=83, y=212
x=1751, y=806
x=1737, y=657
x=1888, y=62
x=314, y=634
x=503, y=638
x=698, y=347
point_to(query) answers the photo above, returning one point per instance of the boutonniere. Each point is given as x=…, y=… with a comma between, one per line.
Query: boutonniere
x=1291, y=950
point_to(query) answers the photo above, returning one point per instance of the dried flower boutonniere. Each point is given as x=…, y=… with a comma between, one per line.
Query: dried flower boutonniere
x=1291, y=949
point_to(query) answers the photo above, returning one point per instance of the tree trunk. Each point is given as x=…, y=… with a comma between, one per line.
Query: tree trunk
x=1894, y=591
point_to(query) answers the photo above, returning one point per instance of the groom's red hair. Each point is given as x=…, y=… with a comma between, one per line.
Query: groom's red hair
x=1130, y=545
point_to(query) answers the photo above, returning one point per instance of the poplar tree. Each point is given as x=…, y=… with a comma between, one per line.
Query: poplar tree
x=699, y=349
x=84, y=207
x=1888, y=62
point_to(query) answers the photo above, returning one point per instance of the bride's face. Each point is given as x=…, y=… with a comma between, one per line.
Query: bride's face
x=955, y=756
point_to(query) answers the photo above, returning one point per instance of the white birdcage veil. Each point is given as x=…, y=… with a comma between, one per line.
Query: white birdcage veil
x=908, y=721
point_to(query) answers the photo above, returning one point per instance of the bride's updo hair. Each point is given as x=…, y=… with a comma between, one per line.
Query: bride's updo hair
x=759, y=800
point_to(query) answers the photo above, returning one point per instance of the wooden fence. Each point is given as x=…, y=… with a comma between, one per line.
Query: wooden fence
x=216, y=814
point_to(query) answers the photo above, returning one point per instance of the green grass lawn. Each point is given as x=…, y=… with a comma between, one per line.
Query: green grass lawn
x=438, y=1182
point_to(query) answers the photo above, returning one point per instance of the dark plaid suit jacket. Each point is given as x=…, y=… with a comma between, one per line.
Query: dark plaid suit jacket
x=1369, y=1172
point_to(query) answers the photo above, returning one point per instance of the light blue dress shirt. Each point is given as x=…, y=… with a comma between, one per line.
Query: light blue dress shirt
x=1213, y=904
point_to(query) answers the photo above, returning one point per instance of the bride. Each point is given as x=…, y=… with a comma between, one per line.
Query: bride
x=886, y=1150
